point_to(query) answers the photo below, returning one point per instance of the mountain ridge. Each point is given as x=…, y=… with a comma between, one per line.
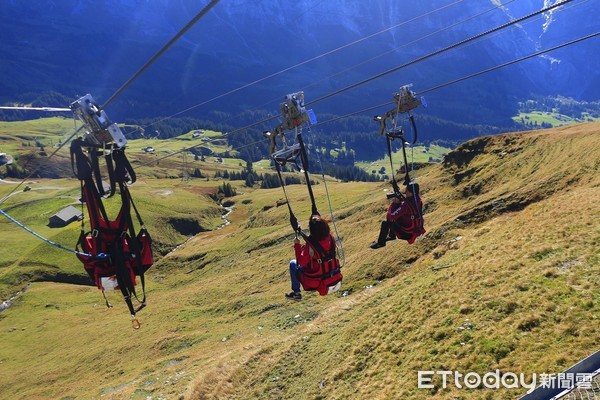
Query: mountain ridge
x=93, y=40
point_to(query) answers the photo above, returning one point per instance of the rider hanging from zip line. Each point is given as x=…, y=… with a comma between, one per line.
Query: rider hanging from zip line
x=404, y=219
x=316, y=266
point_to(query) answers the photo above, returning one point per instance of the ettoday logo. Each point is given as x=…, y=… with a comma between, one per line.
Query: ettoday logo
x=505, y=380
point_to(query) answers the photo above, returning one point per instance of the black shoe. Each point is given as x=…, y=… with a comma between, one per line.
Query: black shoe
x=377, y=245
x=296, y=296
x=390, y=237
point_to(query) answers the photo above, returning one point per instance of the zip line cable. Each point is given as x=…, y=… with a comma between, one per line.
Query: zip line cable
x=425, y=57
x=47, y=109
x=379, y=106
x=310, y=60
x=538, y=53
x=411, y=43
x=511, y=62
x=358, y=83
x=313, y=59
x=126, y=84
x=345, y=70
x=377, y=76
x=358, y=41
x=332, y=120
x=202, y=12
x=57, y=245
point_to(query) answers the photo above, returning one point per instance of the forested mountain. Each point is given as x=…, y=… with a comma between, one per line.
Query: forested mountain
x=57, y=51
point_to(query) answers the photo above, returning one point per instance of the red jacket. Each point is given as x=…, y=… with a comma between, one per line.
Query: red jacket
x=402, y=212
x=304, y=257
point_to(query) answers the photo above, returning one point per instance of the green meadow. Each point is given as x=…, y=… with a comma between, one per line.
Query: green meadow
x=505, y=278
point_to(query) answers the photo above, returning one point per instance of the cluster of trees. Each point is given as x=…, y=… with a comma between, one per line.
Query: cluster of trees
x=167, y=128
x=248, y=175
x=349, y=173
x=562, y=105
x=250, y=178
x=534, y=124
x=226, y=190
x=270, y=181
x=197, y=173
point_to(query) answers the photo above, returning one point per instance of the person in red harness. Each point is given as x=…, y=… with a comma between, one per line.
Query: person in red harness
x=310, y=268
x=404, y=218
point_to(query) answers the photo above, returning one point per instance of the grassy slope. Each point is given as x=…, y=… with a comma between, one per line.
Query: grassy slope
x=417, y=154
x=218, y=327
x=551, y=118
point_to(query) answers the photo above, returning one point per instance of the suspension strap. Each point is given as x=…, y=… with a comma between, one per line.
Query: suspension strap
x=111, y=172
x=304, y=160
x=134, y=246
x=397, y=191
x=80, y=164
x=414, y=127
x=123, y=169
x=96, y=171
x=333, y=221
x=293, y=219
x=406, y=170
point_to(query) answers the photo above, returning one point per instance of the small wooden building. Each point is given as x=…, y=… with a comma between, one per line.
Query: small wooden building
x=65, y=216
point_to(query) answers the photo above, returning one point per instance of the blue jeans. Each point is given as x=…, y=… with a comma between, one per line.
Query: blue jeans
x=295, y=271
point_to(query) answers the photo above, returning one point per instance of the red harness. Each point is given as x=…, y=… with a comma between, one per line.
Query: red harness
x=116, y=253
x=416, y=228
x=324, y=274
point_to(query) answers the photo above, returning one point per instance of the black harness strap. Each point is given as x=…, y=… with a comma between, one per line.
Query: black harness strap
x=96, y=171
x=111, y=173
x=414, y=126
x=394, y=182
x=123, y=170
x=293, y=219
x=304, y=163
x=80, y=164
x=120, y=257
x=304, y=160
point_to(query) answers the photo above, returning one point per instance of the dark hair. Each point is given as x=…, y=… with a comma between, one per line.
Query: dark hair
x=319, y=228
x=413, y=188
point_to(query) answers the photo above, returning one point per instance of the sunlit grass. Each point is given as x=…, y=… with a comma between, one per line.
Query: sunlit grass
x=518, y=291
